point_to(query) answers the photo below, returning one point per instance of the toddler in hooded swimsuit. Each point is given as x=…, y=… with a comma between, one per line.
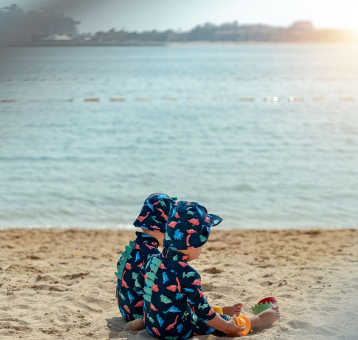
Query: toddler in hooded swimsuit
x=153, y=220
x=175, y=306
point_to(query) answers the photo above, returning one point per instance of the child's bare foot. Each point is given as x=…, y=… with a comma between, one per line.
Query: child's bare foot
x=135, y=325
x=234, y=309
x=265, y=318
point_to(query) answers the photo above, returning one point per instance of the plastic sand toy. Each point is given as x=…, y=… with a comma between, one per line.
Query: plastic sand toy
x=241, y=321
x=263, y=305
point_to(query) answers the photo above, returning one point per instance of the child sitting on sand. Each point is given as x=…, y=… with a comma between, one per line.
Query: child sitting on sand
x=152, y=220
x=174, y=303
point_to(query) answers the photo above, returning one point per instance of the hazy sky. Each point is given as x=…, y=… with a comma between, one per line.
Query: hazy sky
x=141, y=15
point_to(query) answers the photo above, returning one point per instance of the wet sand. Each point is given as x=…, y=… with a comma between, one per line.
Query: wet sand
x=61, y=284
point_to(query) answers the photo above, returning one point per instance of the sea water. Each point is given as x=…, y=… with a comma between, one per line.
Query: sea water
x=188, y=121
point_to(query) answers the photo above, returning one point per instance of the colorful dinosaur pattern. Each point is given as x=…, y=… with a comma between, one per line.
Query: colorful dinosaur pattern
x=129, y=302
x=189, y=226
x=154, y=213
x=176, y=307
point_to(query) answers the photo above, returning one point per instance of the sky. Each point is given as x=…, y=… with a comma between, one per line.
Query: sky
x=140, y=15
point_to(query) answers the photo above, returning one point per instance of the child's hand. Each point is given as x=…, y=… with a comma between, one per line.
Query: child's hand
x=232, y=329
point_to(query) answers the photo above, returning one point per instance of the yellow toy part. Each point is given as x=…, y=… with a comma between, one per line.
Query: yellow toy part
x=218, y=309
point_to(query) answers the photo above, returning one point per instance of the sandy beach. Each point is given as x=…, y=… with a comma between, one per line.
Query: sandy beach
x=61, y=284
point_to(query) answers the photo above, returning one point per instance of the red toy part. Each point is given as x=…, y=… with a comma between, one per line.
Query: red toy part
x=268, y=299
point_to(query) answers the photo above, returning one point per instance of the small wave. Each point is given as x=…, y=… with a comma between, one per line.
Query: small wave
x=241, y=188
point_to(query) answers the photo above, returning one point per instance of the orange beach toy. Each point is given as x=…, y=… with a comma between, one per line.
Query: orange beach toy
x=241, y=321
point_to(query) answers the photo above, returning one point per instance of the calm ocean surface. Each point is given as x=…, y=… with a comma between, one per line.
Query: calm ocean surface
x=181, y=130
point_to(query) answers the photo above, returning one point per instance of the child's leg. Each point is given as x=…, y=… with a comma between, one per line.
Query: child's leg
x=135, y=325
x=231, y=310
x=265, y=318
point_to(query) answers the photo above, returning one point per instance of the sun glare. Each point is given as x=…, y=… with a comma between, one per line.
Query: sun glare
x=344, y=17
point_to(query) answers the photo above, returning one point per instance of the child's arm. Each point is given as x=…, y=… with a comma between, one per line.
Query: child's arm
x=200, y=306
x=228, y=327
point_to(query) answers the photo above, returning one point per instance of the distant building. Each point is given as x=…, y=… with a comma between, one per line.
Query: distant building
x=48, y=22
x=302, y=25
x=17, y=26
x=225, y=35
x=300, y=31
x=9, y=18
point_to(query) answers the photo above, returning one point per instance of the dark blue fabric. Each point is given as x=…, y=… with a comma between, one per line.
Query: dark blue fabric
x=178, y=308
x=155, y=212
x=189, y=226
x=129, y=302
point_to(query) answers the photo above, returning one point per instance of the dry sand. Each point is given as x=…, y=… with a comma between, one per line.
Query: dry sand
x=61, y=284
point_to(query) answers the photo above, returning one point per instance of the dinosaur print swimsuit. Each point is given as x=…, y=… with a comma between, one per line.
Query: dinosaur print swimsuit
x=138, y=252
x=174, y=303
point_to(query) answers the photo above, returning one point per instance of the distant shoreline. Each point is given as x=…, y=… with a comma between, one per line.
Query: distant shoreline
x=239, y=43
x=71, y=44
x=190, y=43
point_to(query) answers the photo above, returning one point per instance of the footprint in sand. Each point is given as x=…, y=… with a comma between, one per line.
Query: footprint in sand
x=116, y=324
x=266, y=283
x=15, y=324
x=306, y=326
